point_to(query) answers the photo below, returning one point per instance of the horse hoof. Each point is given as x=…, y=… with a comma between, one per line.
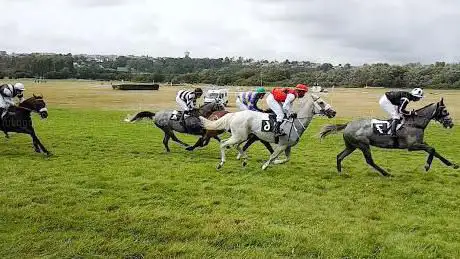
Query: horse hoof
x=219, y=166
x=189, y=148
x=238, y=157
x=455, y=166
x=427, y=168
x=49, y=154
x=245, y=163
x=264, y=167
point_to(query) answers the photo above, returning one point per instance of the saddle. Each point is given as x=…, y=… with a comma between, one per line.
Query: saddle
x=189, y=121
x=383, y=127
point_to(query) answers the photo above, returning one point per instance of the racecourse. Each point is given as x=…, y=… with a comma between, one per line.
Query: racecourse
x=110, y=190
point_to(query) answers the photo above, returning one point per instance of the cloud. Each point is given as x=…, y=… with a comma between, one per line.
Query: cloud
x=390, y=30
x=337, y=31
x=102, y=3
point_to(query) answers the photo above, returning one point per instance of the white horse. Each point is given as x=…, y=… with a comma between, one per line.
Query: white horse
x=242, y=124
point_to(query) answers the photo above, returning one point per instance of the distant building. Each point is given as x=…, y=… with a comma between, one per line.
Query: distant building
x=3, y=53
x=187, y=54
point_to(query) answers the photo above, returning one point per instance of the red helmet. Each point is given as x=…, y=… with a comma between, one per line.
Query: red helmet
x=301, y=87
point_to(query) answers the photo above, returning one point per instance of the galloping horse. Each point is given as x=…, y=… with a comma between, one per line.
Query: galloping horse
x=360, y=134
x=18, y=120
x=169, y=121
x=203, y=141
x=244, y=123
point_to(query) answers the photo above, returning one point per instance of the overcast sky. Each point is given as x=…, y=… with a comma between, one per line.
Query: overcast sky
x=336, y=31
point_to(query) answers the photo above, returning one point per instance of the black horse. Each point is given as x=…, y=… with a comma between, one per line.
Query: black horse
x=18, y=119
x=359, y=134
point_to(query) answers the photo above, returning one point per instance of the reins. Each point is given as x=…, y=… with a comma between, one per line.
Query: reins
x=25, y=108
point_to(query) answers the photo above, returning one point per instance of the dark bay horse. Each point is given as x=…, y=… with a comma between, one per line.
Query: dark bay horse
x=19, y=120
x=166, y=121
x=359, y=134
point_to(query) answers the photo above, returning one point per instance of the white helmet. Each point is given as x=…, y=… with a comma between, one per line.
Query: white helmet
x=19, y=87
x=417, y=92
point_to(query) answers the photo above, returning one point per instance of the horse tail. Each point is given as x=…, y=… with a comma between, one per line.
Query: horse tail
x=141, y=115
x=221, y=124
x=331, y=129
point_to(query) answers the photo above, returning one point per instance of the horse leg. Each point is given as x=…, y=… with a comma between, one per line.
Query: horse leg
x=346, y=152
x=199, y=143
x=368, y=156
x=242, y=154
x=231, y=141
x=175, y=139
x=431, y=153
x=287, y=153
x=216, y=138
x=278, y=150
x=268, y=146
x=206, y=141
x=37, y=144
x=252, y=138
x=36, y=147
x=166, y=140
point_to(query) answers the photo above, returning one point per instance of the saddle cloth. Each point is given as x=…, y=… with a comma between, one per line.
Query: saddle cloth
x=269, y=125
x=383, y=127
x=177, y=115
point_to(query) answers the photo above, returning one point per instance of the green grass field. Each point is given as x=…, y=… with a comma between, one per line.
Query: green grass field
x=112, y=191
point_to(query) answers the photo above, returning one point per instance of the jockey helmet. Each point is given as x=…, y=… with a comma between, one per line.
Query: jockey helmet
x=301, y=87
x=198, y=91
x=417, y=92
x=19, y=87
x=260, y=90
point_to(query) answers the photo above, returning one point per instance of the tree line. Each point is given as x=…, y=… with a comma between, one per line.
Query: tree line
x=229, y=71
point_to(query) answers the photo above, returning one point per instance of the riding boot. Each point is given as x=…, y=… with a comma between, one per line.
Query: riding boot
x=277, y=129
x=4, y=112
x=182, y=120
x=394, y=125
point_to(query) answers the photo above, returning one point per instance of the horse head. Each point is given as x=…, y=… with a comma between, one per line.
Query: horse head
x=442, y=115
x=322, y=108
x=211, y=107
x=36, y=104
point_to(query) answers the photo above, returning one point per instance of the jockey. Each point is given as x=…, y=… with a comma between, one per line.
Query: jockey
x=395, y=103
x=280, y=100
x=187, y=100
x=248, y=100
x=7, y=93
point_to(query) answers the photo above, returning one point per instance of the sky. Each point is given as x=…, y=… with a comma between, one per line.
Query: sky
x=334, y=31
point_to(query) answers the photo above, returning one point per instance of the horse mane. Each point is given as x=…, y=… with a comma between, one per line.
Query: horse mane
x=410, y=119
x=208, y=104
x=424, y=107
x=28, y=102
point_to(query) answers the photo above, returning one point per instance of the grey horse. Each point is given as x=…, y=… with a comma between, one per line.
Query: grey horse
x=244, y=123
x=360, y=134
x=169, y=121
